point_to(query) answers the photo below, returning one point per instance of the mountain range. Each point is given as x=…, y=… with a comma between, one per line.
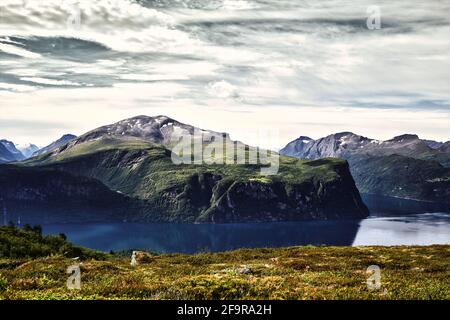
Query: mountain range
x=55, y=144
x=127, y=169
x=11, y=152
x=404, y=166
x=27, y=150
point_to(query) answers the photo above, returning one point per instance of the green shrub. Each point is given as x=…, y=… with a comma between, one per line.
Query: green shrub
x=3, y=283
x=30, y=243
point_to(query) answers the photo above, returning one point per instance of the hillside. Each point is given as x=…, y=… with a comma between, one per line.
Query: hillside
x=403, y=177
x=212, y=193
x=55, y=144
x=309, y=272
x=29, y=242
x=131, y=158
x=404, y=166
x=13, y=153
x=5, y=155
x=49, y=195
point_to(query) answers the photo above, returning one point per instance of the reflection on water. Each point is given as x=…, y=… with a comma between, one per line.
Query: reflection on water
x=191, y=238
x=418, y=229
x=382, y=206
x=393, y=222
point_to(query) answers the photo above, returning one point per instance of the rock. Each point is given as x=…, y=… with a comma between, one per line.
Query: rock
x=140, y=257
x=241, y=270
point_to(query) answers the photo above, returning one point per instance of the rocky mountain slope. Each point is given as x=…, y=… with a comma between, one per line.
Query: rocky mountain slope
x=445, y=147
x=160, y=130
x=54, y=145
x=404, y=166
x=27, y=149
x=132, y=158
x=12, y=154
x=5, y=155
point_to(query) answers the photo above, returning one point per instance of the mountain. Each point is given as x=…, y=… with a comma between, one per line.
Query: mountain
x=445, y=147
x=133, y=159
x=5, y=155
x=331, y=146
x=296, y=146
x=27, y=150
x=404, y=166
x=433, y=144
x=160, y=130
x=54, y=145
x=13, y=154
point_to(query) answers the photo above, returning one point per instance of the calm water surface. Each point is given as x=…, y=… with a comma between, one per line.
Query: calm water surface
x=419, y=229
x=392, y=222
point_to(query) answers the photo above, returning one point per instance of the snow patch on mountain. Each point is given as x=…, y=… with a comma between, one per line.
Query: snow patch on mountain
x=27, y=149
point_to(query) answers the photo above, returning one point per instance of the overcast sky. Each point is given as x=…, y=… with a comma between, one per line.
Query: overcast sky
x=288, y=67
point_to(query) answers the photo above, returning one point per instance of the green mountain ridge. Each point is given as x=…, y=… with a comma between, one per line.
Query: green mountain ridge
x=156, y=189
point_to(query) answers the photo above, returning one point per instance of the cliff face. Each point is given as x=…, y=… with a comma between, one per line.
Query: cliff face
x=203, y=197
x=235, y=201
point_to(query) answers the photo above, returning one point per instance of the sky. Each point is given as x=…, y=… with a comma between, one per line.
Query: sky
x=266, y=71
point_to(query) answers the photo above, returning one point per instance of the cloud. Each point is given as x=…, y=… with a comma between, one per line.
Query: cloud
x=309, y=59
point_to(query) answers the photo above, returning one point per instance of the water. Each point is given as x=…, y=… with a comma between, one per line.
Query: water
x=417, y=229
x=393, y=222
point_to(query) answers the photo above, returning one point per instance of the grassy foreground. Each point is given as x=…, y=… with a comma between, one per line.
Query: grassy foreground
x=285, y=273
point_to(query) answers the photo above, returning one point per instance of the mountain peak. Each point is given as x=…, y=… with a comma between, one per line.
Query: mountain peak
x=146, y=119
x=159, y=129
x=11, y=147
x=304, y=139
x=55, y=144
x=344, y=133
x=404, y=137
x=27, y=149
x=67, y=137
